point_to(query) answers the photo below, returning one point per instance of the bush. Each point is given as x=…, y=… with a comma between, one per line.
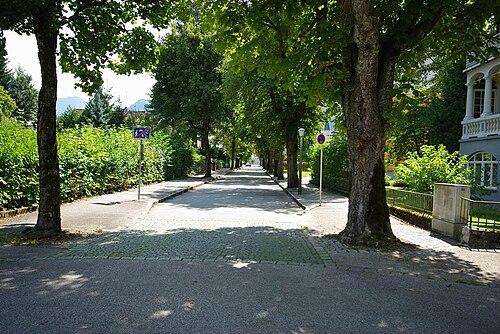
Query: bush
x=433, y=165
x=93, y=161
x=18, y=165
x=335, y=163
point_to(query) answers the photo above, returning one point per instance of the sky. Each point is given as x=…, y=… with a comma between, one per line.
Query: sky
x=22, y=52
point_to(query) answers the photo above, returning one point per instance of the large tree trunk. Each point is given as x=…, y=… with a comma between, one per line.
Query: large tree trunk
x=205, y=146
x=371, y=73
x=49, y=211
x=291, y=158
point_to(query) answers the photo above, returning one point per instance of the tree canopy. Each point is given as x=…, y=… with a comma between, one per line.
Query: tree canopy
x=188, y=80
x=91, y=35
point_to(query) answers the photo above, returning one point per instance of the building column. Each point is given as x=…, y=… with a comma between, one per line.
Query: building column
x=469, y=106
x=488, y=87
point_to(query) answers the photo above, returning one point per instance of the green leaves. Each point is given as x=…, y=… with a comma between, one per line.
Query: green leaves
x=335, y=163
x=7, y=104
x=92, y=161
x=433, y=165
x=187, y=87
x=18, y=165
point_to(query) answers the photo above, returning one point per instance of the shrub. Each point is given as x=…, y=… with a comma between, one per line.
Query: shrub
x=93, y=161
x=433, y=165
x=335, y=163
x=18, y=165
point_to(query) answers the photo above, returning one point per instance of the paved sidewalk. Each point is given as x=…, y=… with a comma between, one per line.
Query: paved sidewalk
x=110, y=212
x=434, y=254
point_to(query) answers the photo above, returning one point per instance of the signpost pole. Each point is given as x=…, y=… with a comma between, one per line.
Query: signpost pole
x=141, y=157
x=321, y=140
x=141, y=133
x=320, y=174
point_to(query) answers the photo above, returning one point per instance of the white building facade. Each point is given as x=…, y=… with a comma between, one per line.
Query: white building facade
x=481, y=125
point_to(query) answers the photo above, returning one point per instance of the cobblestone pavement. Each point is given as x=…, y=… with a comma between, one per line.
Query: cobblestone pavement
x=242, y=217
x=253, y=244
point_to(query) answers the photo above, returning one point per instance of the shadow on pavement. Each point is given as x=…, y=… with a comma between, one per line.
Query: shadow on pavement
x=265, y=245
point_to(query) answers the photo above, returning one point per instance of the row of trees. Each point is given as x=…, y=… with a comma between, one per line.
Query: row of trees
x=281, y=58
x=18, y=96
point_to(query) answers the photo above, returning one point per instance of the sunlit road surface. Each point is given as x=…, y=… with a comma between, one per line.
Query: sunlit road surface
x=244, y=198
x=243, y=217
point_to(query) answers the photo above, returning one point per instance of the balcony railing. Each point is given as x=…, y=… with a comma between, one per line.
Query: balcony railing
x=481, y=127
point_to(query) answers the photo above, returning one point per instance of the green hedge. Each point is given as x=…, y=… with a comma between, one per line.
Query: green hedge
x=93, y=161
x=335, y=164
x=18, y=166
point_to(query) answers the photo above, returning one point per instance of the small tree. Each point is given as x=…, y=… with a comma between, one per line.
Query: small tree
x=25, y=94
x=433, y=165
x=69, y=119
x=99, y=109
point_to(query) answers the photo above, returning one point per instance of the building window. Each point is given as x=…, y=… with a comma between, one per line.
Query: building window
x=479, y=102
x=479, y=97
x=484, y=167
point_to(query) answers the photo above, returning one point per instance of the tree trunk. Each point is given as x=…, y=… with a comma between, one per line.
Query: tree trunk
x=233, y=151
x=281, y=166
x=365, y=101
x=269, y=161
x=291, y=160
x=275, y=166
x=49, y=209
x=205, y=146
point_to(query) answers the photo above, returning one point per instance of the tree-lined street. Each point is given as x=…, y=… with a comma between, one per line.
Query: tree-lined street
x=233, y=256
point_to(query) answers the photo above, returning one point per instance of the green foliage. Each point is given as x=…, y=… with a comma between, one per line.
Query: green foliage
x=433, y=165
x=5, y=75
x=23, y=91
x=70, y=118
x=187, y=80
x=99, y=109
x=7, y=104
x=92, y=161
x=429, y=115
x=18, y=165
x=185, y=159
x=335, y=163
x=187, y=88
x=448, y=107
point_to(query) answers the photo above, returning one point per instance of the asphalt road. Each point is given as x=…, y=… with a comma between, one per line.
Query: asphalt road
x=229, y=257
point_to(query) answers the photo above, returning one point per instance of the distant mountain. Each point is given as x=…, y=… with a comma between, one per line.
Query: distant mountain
x=65, y=102
x=140, y=105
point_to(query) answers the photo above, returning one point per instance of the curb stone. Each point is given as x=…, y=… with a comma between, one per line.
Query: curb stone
x=302, y=206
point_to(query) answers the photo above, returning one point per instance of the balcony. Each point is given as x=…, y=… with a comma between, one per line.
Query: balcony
x=481, y=127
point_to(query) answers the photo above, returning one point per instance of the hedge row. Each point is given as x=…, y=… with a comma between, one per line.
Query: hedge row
x=93, y=161
x=335, y=164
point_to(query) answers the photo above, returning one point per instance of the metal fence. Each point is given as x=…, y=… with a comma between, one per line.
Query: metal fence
x=411, y=200
x=480, y=215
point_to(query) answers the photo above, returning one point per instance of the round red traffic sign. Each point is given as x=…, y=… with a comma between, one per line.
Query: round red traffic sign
x=321, y=139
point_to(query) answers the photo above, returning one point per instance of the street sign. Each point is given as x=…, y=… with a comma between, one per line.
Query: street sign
x=141, y=133
x=321, y=139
